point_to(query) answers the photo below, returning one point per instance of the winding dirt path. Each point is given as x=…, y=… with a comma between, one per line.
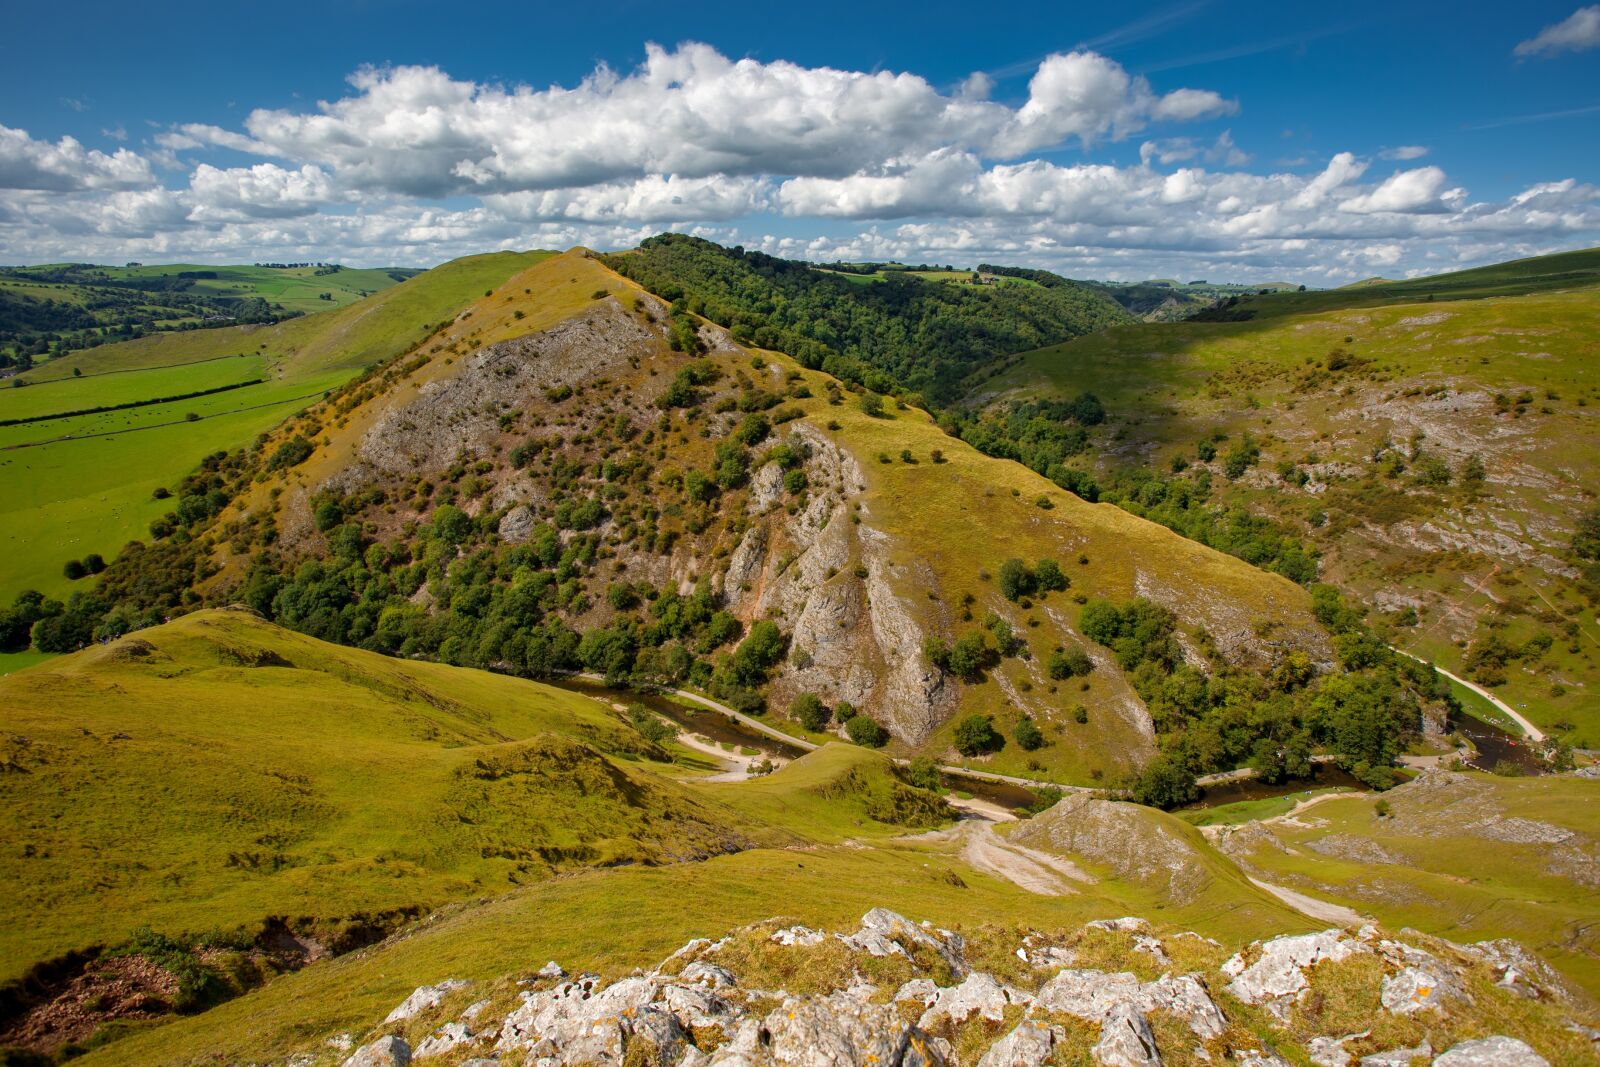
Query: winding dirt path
x=1534, y=733
x=1320, y=910
x=735, y=765
x=973, y=839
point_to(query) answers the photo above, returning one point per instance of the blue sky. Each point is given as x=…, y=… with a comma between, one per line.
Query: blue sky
x=1195, y=138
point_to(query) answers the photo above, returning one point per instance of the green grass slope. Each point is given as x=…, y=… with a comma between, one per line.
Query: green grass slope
x=1467, y=857
x=215, y=771
x=83, y=484
x=1368, y=419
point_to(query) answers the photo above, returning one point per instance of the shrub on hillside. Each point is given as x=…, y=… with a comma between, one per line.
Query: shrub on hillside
x=975, y=735
x=1073, y=662
x=866, y=732
x=1028, y=735
x=291, y=453
x=810, y=712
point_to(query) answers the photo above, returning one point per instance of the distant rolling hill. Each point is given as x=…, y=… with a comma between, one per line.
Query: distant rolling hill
x=53, y=309
x=1434, y=440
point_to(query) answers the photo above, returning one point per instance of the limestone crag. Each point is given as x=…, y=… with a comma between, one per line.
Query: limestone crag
x=710, y=1004
x=855, y=637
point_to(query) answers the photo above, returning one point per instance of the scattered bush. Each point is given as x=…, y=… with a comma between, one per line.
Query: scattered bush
x=810, y=712
x=651, y=726
x=975, y=735
x=291, y=453
x=866, y=732
x=1028, y=735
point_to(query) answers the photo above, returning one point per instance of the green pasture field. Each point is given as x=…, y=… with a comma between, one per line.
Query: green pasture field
x=64, y=499
x=105, y=390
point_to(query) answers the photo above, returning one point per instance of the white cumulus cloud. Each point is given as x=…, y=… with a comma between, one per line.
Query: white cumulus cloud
x=66, y=165
x=265, y=190
x=1409, y=190
x=1578, y=32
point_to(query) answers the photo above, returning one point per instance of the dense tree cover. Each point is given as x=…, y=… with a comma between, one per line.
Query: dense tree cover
x=1214, y=717
x=903, y=333
x=1041, y=434
x=1039, y=277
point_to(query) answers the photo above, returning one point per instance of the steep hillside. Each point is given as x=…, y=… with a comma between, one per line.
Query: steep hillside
x=793, y=519
x=111, y=426
x=573, y=476
x=1438, y=457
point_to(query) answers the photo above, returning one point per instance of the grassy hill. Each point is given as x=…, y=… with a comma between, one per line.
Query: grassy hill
x=1519, y=277
x=218, y=770
x=203, y=776
x=206, y=776
x=1466, y=857
x=569, y=473
x=83, y=484
x=1436, y=454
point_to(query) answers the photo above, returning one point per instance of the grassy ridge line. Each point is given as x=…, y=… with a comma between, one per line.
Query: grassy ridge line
x=1578, y=269
x=349, y=337
x=131, y=404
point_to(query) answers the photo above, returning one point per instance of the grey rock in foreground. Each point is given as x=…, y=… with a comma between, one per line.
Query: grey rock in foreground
x=1491, y=1052
x=701, y=1007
